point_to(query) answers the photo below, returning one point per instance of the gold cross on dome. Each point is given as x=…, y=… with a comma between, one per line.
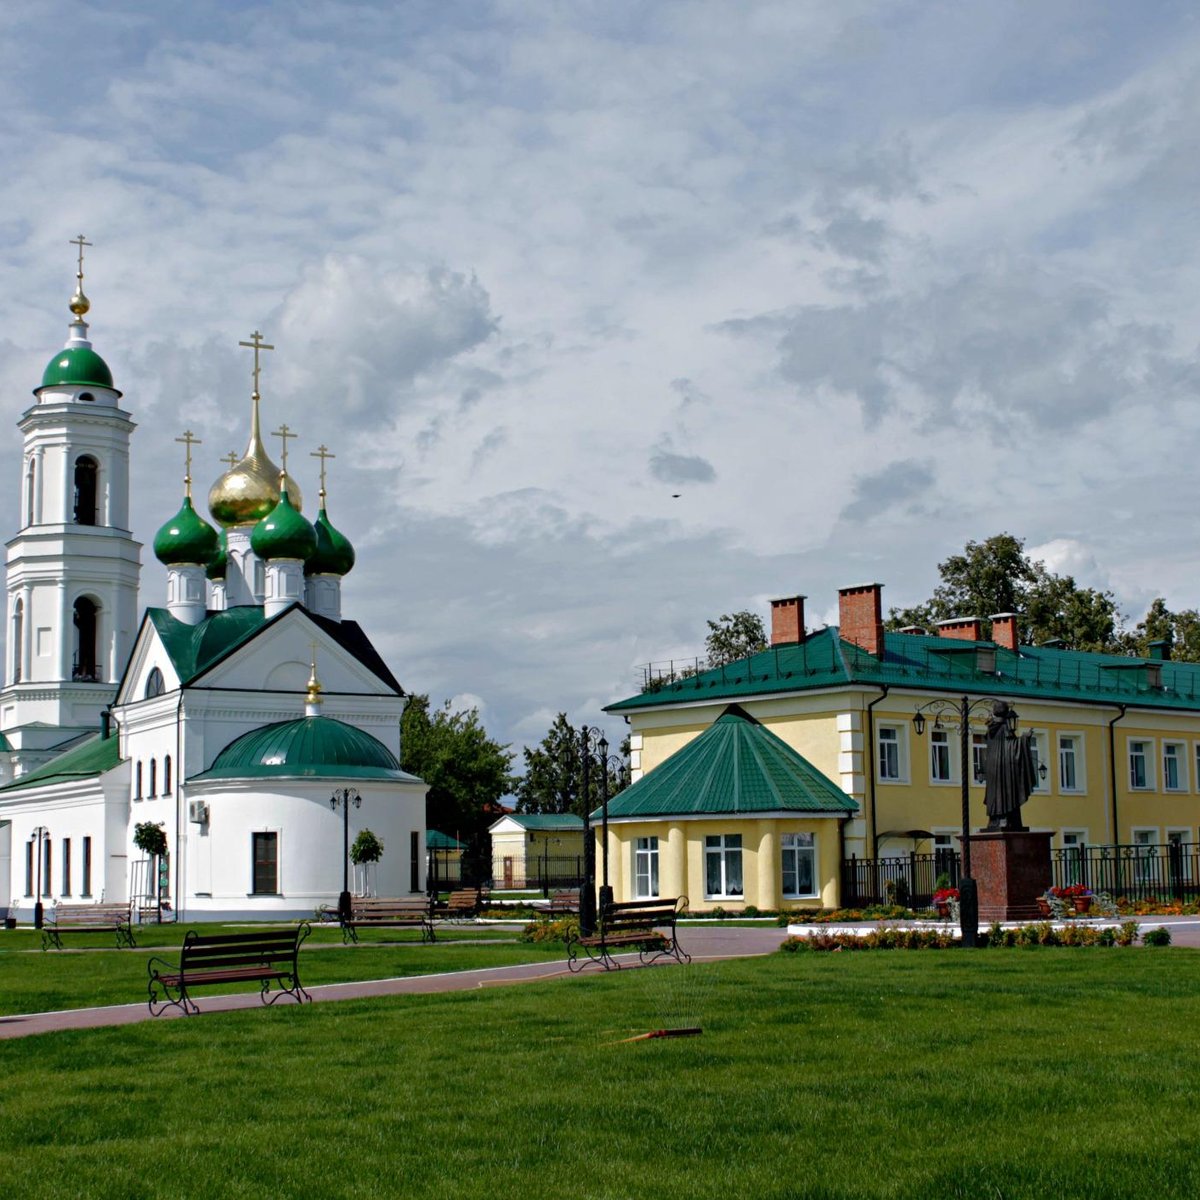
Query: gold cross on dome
x=231, y=458
x=189, y=440
x=322, y=452
x=283, y=433
x=79, y=241
x=256, y=344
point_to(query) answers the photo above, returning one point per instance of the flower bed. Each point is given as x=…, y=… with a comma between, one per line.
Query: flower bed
x=1039, y=933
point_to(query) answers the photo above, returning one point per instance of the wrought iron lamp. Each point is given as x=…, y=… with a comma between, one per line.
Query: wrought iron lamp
x=344, y=797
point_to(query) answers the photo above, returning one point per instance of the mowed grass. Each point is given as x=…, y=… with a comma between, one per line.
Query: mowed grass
x=91, y=972
x=1036, y=1073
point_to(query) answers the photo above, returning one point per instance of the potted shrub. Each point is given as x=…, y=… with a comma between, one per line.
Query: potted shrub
x=151, y=840
x=366, y=848
x=942, y=898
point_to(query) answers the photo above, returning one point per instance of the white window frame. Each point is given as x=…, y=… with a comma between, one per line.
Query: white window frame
x=1147, y=756
x=934, y=746
x=791, y=843
x=648, y=855
x=900, y=741
x=1181, y=765
x=1081, y=834
x=1079, y=759
x=723, y=851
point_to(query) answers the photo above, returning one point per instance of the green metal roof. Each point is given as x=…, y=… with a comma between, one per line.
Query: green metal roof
x=910, y=660
x=91, y=757
x=546, y=821
x=436, y=840
x=309, y=746
x=736, y=766
x=77, y=366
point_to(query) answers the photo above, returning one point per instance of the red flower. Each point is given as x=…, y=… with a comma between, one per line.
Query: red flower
x=1070, y=893
x=944, y=894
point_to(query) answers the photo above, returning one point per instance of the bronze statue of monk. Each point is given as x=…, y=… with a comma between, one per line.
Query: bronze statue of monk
x=1008, y=771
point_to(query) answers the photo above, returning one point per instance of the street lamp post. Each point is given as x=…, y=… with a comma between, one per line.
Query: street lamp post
x=344, y=797
x=615, y=762
x=39, y=911
x=587, y=893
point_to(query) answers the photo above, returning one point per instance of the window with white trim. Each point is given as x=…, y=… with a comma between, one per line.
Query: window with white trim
x=645, y=868
x=978, y=758
x=1174, y=766
x=939, y=756
x=1069, y=763
x=888, y=739
x=799, y=865
x=723, y=865
x=1139, y=765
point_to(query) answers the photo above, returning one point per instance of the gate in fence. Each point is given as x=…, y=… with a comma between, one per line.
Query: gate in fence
x=909, y=879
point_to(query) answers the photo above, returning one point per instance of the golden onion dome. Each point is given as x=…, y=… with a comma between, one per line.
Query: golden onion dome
x=249, y=490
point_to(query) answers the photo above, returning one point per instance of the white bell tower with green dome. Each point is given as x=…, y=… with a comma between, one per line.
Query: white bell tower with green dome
x=72, y=569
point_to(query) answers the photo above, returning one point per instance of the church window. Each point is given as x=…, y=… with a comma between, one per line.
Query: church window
x=153, y=778
x=18, y=639
x=66, y=866
x=266, y=864
x=85, y=666
x=137, y=791
x=167, y=775
x=87, y=867
x=29, y=852
x=87, y=396
x=87, y=470
x=47, y=887
x=31, y=492
x=154, y=684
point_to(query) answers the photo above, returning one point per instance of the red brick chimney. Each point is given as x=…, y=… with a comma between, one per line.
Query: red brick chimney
x=860, y=616
x=1004, y=630
x=787, y=621
x=964, y=629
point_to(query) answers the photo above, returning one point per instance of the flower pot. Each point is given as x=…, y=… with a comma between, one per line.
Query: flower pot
x=943, y=909
x=1082, y=903
x=1043, y=906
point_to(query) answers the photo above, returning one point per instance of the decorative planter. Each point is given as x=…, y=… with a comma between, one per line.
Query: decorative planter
x=1043, y=906
x=1082, y=903
x=943, y=909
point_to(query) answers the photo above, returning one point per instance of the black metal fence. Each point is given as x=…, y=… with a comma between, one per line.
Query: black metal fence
x=910, y=879
x=1135, y=872
x=545, y=871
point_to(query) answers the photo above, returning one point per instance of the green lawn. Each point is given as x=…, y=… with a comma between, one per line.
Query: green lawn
x=1028, y=1073
x=33, y=981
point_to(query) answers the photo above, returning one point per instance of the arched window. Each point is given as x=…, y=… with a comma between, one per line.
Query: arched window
x=86, y=471
x=31, y=492
x=167, y=775
x=137, y=794
x=85, y=666
x=154, y=685
x=18, y=639
x=153, y=778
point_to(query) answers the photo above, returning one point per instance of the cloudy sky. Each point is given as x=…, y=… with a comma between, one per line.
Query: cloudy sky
x=620, y=316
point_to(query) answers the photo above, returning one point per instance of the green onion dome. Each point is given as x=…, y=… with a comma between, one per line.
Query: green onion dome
x=334, y=554
x=283, y=533
x=187, y=538
x=309, y=746
x=77, y=366
x=219, y=562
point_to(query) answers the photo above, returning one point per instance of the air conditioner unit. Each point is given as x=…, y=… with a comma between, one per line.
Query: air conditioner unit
x=197, y=811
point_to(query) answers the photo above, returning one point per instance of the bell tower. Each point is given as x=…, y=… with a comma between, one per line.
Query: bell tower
x=72, y=569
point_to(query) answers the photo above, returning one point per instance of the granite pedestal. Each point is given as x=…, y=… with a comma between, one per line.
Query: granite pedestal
x=1011, y=870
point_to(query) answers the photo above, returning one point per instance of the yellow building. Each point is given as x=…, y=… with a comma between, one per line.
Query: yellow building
x=1117, y=741
x=537, y=850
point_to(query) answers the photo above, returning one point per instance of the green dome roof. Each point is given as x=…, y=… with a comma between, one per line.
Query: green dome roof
x=186, y=538
x=283, y=533
x=310, y=746
x=77, y=366
x=219, y=562
x=334, y=554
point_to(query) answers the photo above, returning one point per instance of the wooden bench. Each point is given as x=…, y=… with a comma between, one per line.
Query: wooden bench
x=87, y=918
x=463, y=905
x=564, y=903
x=205, y=960
x=373, y=912
x=633, y=925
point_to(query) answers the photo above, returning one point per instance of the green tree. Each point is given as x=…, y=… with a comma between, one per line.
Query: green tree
x=734, y=636
x=1181, y=629
x=467, y=771
x=996, y=575
x=553, y=780
x=366, y=848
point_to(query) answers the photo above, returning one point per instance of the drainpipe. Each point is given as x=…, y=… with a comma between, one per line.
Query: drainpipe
x=180, y=865
x=1112, y=777
x=870, y=752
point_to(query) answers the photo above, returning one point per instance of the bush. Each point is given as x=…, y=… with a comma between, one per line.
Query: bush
x=545, y=930
x=1157, y=937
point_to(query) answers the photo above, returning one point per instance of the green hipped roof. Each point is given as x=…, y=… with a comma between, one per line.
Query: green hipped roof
x=91, y=757
x=185, y=538
x=547, y=821
x=77, y=366
x=320, y=747
x=911, y=660
x=436, y=840
x=735, y=766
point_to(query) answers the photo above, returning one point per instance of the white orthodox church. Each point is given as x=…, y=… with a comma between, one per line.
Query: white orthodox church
x=231, y=717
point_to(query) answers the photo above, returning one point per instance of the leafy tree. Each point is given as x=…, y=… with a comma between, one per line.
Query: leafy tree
x=553, y=780
x=996, y=575
x=733, y=637
x=467, y=772
x=150, y=838
x=1181, y=629
x=366, y=848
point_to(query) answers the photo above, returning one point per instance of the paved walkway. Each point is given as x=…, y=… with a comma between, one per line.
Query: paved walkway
x=702, y=943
